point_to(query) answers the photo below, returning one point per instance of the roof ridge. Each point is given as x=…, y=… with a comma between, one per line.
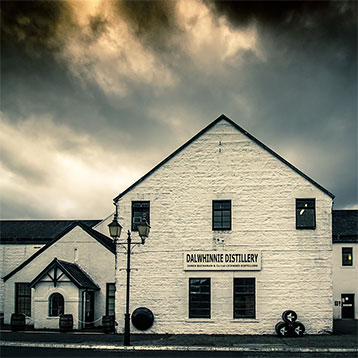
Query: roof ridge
x=86, y=228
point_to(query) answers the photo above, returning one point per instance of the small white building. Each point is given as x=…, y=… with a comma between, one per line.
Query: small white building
x=238, y=235
x=72, y=274
x=345, y=267
x=20, y=239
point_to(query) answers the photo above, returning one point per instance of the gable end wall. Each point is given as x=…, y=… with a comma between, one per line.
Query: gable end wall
x=296, y=264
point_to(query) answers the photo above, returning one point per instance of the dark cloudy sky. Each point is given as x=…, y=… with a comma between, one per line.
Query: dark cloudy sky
x=95, y=93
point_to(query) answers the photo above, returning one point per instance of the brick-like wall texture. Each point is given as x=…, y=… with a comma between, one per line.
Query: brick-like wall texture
x=223, y=163
x=12, y=255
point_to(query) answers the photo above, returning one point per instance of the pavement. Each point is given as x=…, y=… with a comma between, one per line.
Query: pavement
x=343, y=340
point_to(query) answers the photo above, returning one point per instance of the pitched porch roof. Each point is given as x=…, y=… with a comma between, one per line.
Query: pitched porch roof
x=76, y=275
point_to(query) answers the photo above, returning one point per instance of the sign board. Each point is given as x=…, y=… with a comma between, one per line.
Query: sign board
x=222, y=260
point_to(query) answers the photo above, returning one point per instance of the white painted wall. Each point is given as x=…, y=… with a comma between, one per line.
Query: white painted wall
x=296, y=264
x=92, y=257
x=345, y=278
x=41, y=294
x=12, y=255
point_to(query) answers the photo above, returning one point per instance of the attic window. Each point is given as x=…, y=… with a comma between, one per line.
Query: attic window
x=140, y=212
x=305, y=214
x=221, y=214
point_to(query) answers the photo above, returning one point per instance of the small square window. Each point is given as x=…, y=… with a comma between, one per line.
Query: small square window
x=347, y=256
x=221, y=215
x=305, y=214
x=140, y=212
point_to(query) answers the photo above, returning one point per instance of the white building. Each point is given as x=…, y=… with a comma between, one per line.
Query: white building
x=72, y=274
x=238, y=236
x=345, y=267
x=20, y=239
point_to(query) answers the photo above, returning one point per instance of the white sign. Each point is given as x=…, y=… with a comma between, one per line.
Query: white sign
x=222, y=260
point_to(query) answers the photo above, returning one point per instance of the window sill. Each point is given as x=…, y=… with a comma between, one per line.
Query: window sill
x=199, y=320
x=245, y=320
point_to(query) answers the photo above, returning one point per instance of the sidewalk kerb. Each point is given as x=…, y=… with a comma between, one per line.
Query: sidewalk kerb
x=174, y=348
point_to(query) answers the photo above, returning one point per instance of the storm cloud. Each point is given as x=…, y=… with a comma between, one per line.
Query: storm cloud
x=95, y=93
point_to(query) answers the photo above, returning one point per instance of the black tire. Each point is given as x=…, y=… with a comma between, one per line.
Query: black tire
x=298, y=329
x=277, y=326
x=289, y=316
x=142, y=318
x=283, y=329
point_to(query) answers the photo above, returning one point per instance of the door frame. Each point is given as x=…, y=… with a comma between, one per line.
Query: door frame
x=86, y=319
x=352, y=308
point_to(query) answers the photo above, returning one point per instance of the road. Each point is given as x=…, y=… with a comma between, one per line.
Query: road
x=7, y=352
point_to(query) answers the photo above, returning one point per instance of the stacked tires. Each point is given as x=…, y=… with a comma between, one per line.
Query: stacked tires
x=290, y=327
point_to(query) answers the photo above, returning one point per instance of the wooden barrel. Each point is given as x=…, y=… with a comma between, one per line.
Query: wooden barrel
x=108, y=323
x=66, y=323
x=17, y=322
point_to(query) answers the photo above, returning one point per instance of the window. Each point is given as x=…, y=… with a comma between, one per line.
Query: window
x=57, y=305
x=199, y=298
x=23, y=298
x=244, y=298
x=305, y=214
x=110, y=297
x=221, y=214
x=347, y=256
x=140, y=211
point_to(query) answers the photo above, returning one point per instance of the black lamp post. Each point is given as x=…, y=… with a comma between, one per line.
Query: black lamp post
x=115, y=231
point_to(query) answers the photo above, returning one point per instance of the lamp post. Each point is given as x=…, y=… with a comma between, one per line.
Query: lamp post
x=115, y=231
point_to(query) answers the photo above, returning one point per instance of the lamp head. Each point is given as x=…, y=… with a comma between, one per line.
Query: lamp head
x=143, y=230
x=115, y=229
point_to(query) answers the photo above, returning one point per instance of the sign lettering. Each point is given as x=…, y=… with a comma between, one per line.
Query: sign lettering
x=219, y=260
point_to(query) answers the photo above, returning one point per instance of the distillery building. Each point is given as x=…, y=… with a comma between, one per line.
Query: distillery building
x=238, y=235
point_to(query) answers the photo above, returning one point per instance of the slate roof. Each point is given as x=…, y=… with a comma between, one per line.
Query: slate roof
x=102, y=239
x=243, y=131
x=35, y=231
x=79, y=277
x=345, y=226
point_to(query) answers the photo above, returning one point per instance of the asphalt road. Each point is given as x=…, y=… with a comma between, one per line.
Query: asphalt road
x=7, y=352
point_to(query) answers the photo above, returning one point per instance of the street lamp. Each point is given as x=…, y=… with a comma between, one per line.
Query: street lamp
x=115, y=231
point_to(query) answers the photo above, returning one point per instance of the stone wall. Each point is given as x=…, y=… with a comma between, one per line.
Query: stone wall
x=12, y=255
